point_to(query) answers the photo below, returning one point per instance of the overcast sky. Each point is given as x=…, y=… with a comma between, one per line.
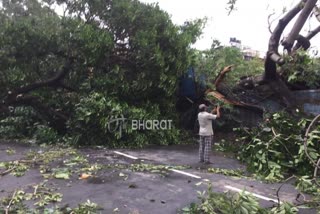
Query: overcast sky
x=248, y=23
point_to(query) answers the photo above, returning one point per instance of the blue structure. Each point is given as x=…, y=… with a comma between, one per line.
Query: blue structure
x=310, y=100
x=188, y=85
x=203, y=81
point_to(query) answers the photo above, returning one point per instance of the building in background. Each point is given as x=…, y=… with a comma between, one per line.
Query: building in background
x=234, y=42
x=248, y=52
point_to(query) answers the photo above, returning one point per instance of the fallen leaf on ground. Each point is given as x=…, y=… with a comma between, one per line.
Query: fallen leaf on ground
x=84, y=176
x=62, y=175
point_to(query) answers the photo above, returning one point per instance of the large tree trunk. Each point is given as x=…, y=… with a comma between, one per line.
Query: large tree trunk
x=273, y=57
x=271, y=81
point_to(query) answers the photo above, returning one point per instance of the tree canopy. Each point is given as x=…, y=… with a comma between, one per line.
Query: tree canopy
x=70, y=74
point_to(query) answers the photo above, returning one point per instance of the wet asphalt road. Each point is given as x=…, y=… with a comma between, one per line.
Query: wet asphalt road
x=143, y=192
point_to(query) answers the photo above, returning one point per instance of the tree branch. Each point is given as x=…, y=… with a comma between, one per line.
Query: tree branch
x=304, y=42
x=310, y=35
x=18, y=97
x=306, y=141
x=278, y=190
x=283, y=22
x=293, y=35
x=221, y=75
x=273, y=56
x=269, y=22
x=316, y=13
x=316, y=172
x=7, y=171
x=46, y=83
x=10, y=202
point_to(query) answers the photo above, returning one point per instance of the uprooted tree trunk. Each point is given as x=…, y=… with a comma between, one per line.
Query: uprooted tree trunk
x=273, y=57
x=291, y=43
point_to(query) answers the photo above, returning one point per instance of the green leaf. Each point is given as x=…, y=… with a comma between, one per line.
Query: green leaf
x=62, y=175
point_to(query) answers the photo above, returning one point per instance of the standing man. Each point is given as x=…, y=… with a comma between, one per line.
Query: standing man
x=205, y=131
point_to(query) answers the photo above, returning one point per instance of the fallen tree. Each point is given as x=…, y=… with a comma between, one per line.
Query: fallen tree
x=99, y=61
x=275, y=81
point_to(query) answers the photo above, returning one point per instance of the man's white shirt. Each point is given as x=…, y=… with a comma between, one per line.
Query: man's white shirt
x=205, y=122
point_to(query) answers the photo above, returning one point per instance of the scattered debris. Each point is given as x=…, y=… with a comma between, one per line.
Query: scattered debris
x=62, y=173
x=16, y=168
x=10, y=151
x=228, y=172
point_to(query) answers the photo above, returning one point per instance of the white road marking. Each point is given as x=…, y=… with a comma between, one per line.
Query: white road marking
x=254, y=194
x=185, y=173
x=174, y=170
x=128, y=156
x=198, y=177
